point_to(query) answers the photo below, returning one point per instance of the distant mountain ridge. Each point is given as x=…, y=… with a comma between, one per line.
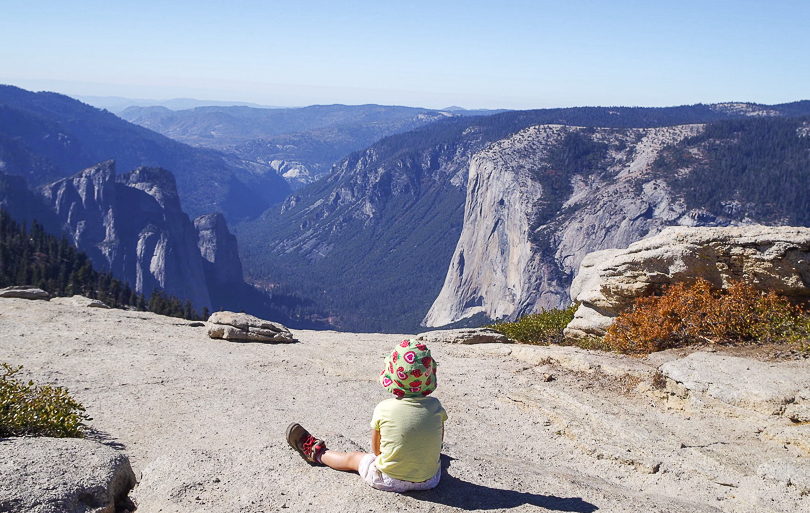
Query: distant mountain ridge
x=300, y=144
x=117, y=104
x=374, y=241
x=47, y=136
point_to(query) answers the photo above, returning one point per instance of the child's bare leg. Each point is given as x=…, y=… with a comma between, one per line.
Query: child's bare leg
x=349, y=461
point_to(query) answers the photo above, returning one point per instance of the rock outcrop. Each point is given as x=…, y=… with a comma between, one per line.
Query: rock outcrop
x=133, y=225
x=464, y=336
x=240, y=327
x=745, y=383
x=609, y=281
x=84, y=205
x=24, y=292
x=220, y=254
x=63, y=475
x=530, y=427
x=80, y=301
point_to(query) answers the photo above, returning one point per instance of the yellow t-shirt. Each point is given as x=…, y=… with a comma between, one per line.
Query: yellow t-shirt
x=410, y=437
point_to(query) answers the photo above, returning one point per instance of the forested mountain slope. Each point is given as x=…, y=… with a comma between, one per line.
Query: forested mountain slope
x=227, y=126
x=372, y=243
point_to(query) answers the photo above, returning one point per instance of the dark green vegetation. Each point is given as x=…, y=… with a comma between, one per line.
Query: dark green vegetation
x=576, y=154
x=756, y=168
x=542, y=328
x=27, y=409
x=47, y=136
x=34, y=257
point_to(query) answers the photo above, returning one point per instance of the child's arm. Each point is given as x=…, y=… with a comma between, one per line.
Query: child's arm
x=375, y=442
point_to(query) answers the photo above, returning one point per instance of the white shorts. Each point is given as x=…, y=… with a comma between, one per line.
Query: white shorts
x=381, y=481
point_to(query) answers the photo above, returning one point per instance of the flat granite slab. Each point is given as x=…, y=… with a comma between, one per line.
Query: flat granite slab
x=766, y=387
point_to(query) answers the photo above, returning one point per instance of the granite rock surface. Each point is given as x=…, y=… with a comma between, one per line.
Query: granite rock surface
x=529, y=429
x=63, y=475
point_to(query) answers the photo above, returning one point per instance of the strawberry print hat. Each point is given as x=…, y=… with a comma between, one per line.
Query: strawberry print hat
x=409, y=370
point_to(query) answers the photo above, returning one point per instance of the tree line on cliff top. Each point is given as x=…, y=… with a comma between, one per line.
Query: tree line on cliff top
x=34, y=257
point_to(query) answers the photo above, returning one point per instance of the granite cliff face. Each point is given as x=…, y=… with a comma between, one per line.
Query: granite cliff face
x=529, y=222
x=539, y=201
x=133, y=225
x=220, y=253
x=83, y=204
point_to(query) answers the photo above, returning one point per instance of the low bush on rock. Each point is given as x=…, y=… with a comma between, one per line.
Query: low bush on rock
x=688, y=314
x=543, y=328
x=28, y=409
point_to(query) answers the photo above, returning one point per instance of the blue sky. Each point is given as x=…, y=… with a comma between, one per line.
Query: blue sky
x=475, y=54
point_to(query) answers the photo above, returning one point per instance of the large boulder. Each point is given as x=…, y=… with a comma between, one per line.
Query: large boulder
x=242, y=327
x=24, y=292
x=63, y=475
x=609, y=281
x=80, y=301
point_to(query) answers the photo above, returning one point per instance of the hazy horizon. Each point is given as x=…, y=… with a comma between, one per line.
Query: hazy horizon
x=477, y=55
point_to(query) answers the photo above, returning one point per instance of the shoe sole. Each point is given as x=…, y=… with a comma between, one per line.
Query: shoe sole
x=288, y=433
x=289, y=430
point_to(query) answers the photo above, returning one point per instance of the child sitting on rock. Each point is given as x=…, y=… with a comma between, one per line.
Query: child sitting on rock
x=407, y=430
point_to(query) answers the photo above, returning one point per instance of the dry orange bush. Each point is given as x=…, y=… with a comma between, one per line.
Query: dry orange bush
x=688, y=314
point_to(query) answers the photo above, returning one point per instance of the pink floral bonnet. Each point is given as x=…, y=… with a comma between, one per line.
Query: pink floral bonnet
x=409, y=370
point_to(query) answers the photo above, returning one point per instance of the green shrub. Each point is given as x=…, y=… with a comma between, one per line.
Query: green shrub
x=28, y=409
x=543, y=328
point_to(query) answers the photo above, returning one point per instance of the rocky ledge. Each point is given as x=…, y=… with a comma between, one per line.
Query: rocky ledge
x=609, y=281
x=463, y=336
x=530, y=428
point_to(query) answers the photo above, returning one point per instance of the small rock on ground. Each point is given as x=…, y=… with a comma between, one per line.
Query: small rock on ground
x=463, y=336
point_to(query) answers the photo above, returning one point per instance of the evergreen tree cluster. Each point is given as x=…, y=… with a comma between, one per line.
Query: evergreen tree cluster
x=758, y=168
x=34, y=257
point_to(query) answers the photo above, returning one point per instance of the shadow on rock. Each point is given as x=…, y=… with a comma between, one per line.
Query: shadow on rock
x=456, y=493
x=103, y=438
